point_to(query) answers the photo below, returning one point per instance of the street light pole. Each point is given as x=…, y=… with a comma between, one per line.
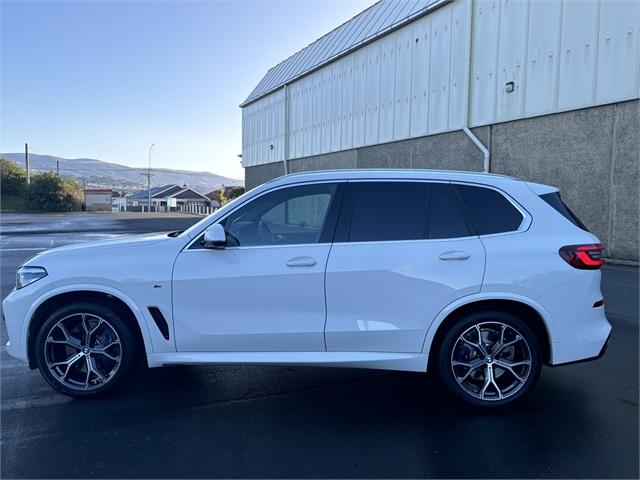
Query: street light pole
x=149, y=180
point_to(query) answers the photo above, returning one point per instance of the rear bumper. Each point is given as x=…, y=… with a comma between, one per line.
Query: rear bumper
x=584, y=340
x=603, y=350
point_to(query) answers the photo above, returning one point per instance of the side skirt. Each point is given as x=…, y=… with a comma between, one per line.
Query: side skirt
x=409, y=362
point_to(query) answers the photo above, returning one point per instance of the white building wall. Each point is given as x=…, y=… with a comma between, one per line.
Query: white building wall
x=560, y=55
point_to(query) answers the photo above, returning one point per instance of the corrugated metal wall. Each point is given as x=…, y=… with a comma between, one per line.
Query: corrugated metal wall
x=559, y=54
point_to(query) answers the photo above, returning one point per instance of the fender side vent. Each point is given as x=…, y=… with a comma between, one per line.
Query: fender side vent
x=160, y=321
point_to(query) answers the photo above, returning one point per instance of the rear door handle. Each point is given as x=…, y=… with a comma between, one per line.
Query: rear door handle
x=302, y=262
x=454, y=255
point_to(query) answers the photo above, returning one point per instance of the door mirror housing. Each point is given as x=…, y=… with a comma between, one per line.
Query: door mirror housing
x=215, y=236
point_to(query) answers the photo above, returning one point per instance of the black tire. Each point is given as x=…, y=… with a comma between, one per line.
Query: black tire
x=114, y=333
x=452, y=364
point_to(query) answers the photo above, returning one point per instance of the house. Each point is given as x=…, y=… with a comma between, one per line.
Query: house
x=98, y=199
x=168, y=198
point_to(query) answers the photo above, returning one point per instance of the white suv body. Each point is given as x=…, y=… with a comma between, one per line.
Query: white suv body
x=356, y=268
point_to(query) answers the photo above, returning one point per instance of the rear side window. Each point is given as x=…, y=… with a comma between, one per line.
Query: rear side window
x=489, y=211
x=556, y=202
x=387, y=211
x=382, y=211
x=446, y=219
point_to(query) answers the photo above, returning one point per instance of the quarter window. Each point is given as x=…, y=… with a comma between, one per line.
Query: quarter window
x=489, y=211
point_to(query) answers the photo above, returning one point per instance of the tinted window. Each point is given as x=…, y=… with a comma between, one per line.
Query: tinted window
x=288, y=216
x=556, y=202
x=446, y=219
x=489, y=211
x=386, y=211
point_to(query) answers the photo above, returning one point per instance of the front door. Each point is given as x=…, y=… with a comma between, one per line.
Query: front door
x=265, y=290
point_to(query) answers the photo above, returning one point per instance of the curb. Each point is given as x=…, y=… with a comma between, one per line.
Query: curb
x=621, y=262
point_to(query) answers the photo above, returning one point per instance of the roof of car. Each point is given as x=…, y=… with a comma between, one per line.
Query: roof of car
x=384, y=173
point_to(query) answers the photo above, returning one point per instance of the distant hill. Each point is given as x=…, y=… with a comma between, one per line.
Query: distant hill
x=99, y=174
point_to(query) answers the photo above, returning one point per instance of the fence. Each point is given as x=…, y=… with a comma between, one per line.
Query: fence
x=193, y=208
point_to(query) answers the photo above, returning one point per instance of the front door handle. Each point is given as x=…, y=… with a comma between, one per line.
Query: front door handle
x=454, y=255
x=302, y=262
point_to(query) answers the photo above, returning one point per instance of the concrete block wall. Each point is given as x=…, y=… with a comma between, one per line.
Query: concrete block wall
x=592, y=155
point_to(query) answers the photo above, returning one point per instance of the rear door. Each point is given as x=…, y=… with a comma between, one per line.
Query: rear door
x=403, y=251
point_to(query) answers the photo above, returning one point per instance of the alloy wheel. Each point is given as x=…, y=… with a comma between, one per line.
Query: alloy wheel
x=83, y=351
x=491, y=361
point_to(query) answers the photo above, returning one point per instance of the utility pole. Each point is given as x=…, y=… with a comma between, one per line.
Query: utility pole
x=149, y=175
x=84, y=195
x=26, y=162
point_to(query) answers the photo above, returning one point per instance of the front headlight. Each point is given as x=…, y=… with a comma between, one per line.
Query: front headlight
x=27, y=275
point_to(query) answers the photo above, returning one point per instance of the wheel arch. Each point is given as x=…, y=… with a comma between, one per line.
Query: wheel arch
x=533, y=314
x=108, y=297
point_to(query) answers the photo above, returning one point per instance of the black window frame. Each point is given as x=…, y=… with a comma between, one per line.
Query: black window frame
x=328, y=229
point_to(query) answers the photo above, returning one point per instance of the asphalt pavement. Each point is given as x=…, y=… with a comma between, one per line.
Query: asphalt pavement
x=580, y=421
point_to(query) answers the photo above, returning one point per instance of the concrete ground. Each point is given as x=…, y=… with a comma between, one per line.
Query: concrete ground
x=580, y=421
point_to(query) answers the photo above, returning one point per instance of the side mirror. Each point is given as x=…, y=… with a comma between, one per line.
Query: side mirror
x=215, y=237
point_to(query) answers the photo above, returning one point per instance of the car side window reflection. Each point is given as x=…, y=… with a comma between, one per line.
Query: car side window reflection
x=289, y=216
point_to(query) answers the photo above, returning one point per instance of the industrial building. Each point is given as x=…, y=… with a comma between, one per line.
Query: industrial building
x=546, y=91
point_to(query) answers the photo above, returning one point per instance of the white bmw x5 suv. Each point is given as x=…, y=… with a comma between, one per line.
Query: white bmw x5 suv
x=482, y=278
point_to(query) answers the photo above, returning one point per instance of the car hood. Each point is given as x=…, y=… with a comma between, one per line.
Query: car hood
x=100, y=246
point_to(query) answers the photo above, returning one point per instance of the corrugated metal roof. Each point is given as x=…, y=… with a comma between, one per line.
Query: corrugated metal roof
x=145, y=193
x=373, y=22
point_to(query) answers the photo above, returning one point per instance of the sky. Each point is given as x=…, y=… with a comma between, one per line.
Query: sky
x=106, y=79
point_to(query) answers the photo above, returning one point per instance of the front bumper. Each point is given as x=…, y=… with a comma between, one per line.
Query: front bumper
x=14, y=310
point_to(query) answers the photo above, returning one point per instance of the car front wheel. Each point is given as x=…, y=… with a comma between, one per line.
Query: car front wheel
x=490, y=359
x=85, y=350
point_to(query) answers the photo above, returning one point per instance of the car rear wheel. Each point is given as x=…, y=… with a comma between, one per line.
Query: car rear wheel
x=490, y=359
x=85, y=350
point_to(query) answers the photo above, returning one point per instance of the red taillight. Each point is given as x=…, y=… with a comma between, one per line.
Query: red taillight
x=584, y=257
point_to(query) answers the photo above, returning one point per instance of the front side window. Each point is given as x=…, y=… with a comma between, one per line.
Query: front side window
x=289, y=216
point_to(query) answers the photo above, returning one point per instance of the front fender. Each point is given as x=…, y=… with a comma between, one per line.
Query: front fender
x=89, y=287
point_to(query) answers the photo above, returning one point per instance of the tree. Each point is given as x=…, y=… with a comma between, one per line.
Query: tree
x=49, y=192
x=235, y=192
x=218, y=196
x=13, y=180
